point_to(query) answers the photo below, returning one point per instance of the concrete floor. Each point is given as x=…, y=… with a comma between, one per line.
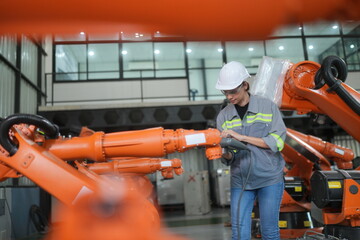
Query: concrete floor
x=210, y=226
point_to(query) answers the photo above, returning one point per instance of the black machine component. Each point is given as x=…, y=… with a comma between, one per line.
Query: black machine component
x=287, y=220
x=327, y=187
x=295, y=187
x=342, y=232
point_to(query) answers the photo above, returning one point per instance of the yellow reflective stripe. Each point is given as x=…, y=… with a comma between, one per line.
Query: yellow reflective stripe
x=279, y=141
x=231, y=124
x=265, y=117
x=261, y=114
x=258, y=119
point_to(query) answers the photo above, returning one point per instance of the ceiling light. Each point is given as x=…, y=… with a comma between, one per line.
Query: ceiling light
x=352, y=46
x=334, y=27
x=124, y=52
x=60, y=54
x=220, y=50
x=251, y=49
x=91, y=53
x=281, y=48
x=156, y=51
x=82, y=33
x=300, y=28
x=188, y=50
x=311, y=47
x=141, y=35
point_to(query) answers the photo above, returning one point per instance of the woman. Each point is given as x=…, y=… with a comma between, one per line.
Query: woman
x=258, y=173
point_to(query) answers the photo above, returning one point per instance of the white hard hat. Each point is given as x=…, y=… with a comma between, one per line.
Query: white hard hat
x=231, y=76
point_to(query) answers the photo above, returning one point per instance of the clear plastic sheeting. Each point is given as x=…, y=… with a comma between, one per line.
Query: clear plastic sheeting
x=269, y=79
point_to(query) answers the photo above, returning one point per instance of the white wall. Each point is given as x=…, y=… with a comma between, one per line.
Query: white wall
x=112, y=91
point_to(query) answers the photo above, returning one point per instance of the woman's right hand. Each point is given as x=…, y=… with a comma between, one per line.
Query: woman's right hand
x=227, y=155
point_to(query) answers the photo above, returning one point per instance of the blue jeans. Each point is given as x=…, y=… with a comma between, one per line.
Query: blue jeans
x=269, y=200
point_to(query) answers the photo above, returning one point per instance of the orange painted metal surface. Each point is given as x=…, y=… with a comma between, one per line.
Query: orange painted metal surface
x=298, y=165
x=153, y=142
x=44, y=163
x=299, y=94
x=125, y=213
x=160, y=20
x=341, y=155
x=349, y=215
x=139, y=165
x=45, y=169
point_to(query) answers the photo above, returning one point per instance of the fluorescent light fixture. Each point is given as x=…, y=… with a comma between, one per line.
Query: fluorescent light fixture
x=60, y=55
x=157, y=51
x=188, y=50
x=124, y=52
x=281, y=48
x=91, y=53
x=251, y=49
x=311, y=47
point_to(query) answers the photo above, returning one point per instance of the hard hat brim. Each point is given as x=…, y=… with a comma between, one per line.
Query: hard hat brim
x=230, y=86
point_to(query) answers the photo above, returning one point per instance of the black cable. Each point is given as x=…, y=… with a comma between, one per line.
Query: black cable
x=38, y=219
x=49, y=128
x=243, y=189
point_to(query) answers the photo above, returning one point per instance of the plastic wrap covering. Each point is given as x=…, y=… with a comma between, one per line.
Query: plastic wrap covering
x=270, y=78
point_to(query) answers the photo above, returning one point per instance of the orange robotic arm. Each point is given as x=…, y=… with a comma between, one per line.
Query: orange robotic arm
x=139, y=165
x=153, y=142
x=48, y=171
x=306, y=89
x=44, y=163
x=341, y=155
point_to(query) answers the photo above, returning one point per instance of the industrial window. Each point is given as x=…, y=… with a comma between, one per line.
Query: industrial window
x=169, y=59
x=351, y=28
x=70, y=37
x=352, y=46
x=289, y=30
x=70, y=62
x=319, y=48
x=285, y=48
x=138, y=60
x=205, y=60
x=322, y=28
x=202, y=84
x=103, y=61
x=248, y=53
x=204, y=54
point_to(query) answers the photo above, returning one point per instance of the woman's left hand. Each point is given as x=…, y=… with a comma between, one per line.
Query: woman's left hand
x=231, y=134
